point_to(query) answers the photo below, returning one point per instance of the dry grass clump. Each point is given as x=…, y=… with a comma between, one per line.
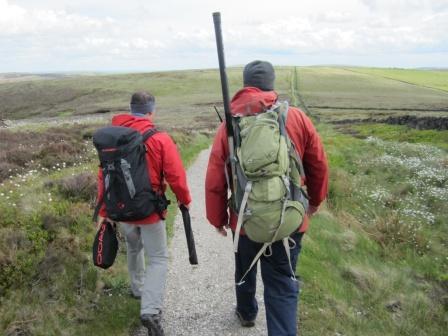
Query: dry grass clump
x=80, y=187
x=365, y=280
x=7, y=168
x=439, y=294
x=340, y=189
x=391, y=231
x=13, y=241
x=61, y=152
x=18, y=157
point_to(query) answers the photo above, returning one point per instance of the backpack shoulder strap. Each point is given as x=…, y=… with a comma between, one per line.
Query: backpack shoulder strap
x=149, y=134
x=284, y=113
x=283, y=109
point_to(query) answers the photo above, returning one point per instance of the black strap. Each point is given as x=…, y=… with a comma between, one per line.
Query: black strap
x=282, y=117
x=99, y=204
x=149, y=134
x=97, y=210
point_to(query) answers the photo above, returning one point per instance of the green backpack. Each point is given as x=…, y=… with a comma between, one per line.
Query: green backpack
x=270, y=201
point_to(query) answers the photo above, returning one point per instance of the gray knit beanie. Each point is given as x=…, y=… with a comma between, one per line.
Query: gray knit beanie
x=260, y=74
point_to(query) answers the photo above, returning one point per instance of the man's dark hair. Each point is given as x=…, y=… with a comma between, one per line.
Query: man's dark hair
x=142, y=103
x=141, y=98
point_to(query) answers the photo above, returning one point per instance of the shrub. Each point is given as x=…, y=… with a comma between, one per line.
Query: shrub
x=60, y=152
x=7, y=169
x=81, y=187
x=55, y=145
x=19, y=157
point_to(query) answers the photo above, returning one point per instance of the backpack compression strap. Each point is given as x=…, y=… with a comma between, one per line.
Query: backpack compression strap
x=126, y=167
x=241, y=215
x=149, y=134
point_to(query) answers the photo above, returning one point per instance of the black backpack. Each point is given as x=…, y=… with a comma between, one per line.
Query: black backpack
x=128, y=193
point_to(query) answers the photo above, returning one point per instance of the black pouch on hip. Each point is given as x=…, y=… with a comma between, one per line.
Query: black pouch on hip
x=105, y=245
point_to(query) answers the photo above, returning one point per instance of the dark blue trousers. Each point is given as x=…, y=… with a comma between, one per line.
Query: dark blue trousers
x=280, y=290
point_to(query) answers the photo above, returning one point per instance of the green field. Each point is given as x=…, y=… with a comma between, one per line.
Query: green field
x=338, y=93
x=430, y=79
x=331, y=93
x=373, y=263
x=181, y=93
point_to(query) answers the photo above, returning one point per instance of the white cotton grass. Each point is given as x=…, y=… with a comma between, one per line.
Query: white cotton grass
x=420, y=178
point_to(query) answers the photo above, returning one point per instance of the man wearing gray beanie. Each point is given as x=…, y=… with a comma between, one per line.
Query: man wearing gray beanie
x=146, y=240
x=281, y=288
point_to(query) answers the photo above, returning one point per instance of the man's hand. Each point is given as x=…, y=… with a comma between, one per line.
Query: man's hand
x=185, y=205
x=222, y=231
x=98, y=223
x=311, y=210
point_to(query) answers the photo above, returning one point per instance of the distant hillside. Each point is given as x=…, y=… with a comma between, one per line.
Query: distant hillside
x=330, y=92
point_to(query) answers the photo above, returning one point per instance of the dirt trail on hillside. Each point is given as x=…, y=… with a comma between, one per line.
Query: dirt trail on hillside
x=200, y=300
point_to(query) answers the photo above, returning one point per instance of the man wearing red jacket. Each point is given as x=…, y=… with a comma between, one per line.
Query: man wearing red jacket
x=148, y=234
x=280, y=288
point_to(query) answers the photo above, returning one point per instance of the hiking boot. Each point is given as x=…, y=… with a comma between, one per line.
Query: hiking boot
x=152, y=322
x=245, y=323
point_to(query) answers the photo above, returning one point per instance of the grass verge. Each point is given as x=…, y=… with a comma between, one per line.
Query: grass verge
x=48, y=284
x=403, y=133
x=374, y=261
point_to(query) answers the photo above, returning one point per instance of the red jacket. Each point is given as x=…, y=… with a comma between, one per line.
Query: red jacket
x=164, y=164
x=302, y=133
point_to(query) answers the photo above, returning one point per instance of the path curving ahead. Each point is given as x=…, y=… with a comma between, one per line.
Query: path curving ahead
x=200, y=300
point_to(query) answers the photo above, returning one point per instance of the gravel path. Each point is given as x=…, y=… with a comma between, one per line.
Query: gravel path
x=200, y=300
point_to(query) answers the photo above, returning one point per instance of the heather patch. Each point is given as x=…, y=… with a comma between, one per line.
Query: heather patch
x=49, y=150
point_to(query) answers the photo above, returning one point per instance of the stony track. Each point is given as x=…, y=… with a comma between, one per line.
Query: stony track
x=200, y=300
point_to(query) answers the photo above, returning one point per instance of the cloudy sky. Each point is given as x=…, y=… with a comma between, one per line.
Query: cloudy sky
x=136, y=35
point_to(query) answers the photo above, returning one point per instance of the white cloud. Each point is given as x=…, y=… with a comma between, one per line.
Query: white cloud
x=179, y=34
x=18, y=20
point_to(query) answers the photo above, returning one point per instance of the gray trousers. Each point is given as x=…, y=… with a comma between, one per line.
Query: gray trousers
x=147, y=282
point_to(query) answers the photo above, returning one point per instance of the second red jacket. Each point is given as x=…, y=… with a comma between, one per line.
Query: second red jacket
x=302, y=133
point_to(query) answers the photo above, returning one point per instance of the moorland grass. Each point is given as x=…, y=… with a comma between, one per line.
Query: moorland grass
x=403, y=134
x=338, y=94
x=427, y=78
x=46, y=236
x=366, y=270
x=177, y=92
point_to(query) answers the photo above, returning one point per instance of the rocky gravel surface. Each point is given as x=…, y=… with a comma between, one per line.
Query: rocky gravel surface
x=200, y=300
